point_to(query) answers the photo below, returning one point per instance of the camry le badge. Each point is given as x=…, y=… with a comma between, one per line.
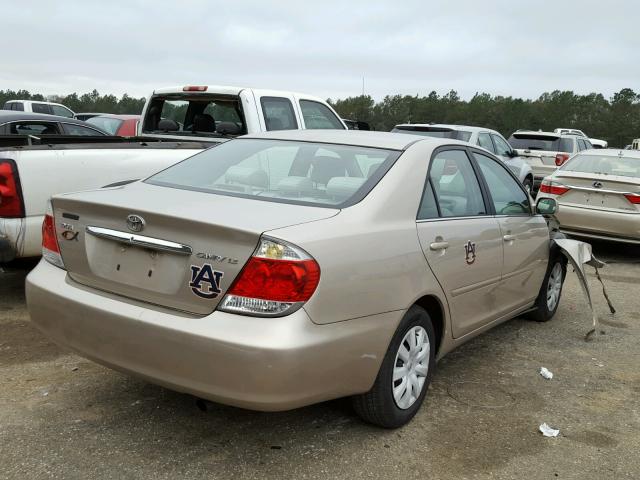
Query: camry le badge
x=135, y=223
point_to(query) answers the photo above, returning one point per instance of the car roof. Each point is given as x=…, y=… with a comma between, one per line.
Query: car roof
x=14, y=116
x=446, y=125
x=360, y=138
x=36, y=101
x=118, y=116
x=611, y=152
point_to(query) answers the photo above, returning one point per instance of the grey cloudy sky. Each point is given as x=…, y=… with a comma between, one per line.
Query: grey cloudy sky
x=324, y=48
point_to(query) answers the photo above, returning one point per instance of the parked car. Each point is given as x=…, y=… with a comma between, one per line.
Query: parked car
x=19, y=123
x=176, y=123
x=595, y=142
x=283, y=269
x=546, y=151
x=121, y=125
x=36, y=106
x=598, y=192
x=484, y=137
x=86, y=116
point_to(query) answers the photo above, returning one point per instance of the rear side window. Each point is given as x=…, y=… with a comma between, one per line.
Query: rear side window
x=502, y=147
x=484, y=140
x=41, y=108
x=7, y=106
x=33, y=128
x=278, y=113
x=18, y=106
x=71, y=129
x=318, y=116
x=455, y=186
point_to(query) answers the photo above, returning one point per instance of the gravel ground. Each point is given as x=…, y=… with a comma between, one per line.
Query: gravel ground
x=64, y=417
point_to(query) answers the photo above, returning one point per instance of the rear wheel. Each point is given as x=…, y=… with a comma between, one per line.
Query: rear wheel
x=404, y=375
x=550, y=291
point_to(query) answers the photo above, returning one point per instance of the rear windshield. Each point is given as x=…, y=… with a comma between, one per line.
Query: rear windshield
x=541, y=142
x=108, y=124
x=197, y=115
x=302, y=173
x=622, y=166
x=435, y=132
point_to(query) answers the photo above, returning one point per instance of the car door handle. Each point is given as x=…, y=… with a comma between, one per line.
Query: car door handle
x=439, y=245
x=509, y=238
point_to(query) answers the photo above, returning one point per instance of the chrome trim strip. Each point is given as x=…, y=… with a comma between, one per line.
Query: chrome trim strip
x=140, y=240
x=596, y=190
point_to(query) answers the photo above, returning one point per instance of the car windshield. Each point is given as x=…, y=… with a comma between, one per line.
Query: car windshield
x=302, y=173
x=198, y=115
x=437, y=132
x=108, y=124
x=618, y=165
x=541, y=142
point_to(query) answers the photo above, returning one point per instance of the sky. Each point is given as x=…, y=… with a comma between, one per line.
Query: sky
x=325, y=48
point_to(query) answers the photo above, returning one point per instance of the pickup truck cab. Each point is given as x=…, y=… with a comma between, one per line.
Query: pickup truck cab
x=35, y=106
x=208, y=111
x=177, y=122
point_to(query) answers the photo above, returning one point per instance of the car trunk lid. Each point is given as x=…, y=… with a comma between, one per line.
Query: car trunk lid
x=598, y=191
x=189, y=251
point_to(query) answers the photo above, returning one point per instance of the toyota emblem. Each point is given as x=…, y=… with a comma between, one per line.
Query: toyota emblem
x=135, y=223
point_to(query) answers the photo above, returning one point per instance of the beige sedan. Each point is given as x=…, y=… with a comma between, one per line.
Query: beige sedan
x=283, y=269
x=598, y=195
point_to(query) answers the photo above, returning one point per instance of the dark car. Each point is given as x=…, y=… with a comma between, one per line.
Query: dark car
x=21, y=123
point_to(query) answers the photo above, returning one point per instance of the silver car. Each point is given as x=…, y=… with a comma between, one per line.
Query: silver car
x=486, y=138
x=288, y=268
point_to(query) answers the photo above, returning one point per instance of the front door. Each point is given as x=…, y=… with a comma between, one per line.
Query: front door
x=461, y=241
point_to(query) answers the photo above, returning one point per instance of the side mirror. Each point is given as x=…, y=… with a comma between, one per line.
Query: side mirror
x=546, y=206
x=514, y=153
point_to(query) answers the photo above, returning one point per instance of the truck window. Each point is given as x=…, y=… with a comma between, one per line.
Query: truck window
x=278, y=113
x=62, y=111
x=41, y=108
x=319, y=116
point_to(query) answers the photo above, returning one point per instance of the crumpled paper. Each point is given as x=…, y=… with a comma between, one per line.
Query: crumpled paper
x=546, y=373
x=548, y=431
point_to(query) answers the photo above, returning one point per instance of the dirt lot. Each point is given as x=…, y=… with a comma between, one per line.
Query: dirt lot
x=64, y=417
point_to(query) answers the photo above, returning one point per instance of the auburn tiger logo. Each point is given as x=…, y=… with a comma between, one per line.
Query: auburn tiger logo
x=205, y=281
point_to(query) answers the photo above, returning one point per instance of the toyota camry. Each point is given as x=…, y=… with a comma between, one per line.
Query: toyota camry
x=283, y=269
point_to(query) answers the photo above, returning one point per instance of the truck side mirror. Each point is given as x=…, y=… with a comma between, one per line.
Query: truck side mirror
x=546, y=206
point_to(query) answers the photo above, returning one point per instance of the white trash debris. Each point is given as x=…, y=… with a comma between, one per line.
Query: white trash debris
x=546, y=373
x=547, y=431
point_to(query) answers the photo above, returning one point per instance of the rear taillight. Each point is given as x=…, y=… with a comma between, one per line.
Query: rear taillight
x=11, y=204
x=275, y=281
x=633, y=198
x=195, y=88
x=547, y=186
x=50, y=247
x=561, y=158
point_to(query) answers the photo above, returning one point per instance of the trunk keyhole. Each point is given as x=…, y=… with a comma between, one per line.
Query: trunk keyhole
x=118, y=268
x=150, y=273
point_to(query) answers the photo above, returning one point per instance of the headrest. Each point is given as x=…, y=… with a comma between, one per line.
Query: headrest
x=342, y=188
x=203, y=123
x=228, y=128
x=247, y=176
x=168, y=125
x=325, y=168
x=295, y=185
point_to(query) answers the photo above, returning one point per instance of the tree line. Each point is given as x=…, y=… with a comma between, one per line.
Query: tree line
x=615, y=119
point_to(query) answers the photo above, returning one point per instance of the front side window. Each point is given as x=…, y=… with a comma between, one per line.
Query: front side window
x=278, y=113
x=507, y=195
x=318, y=116
x=61, y=111
x=71, y=129
x=456, y=188
x=18, y=106
x=282, y=171
x=484, y=140
x=502, y=147
x=41, y=108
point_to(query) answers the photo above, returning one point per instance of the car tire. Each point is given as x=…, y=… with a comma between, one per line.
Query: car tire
x=549, y=297
x=384, y=405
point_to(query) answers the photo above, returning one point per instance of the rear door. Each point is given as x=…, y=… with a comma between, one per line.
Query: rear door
x=525, y=236
x=461, y=241
x=317, y=115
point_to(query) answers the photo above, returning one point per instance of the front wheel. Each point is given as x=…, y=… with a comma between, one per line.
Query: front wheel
x=404, y=375
x=550, y=291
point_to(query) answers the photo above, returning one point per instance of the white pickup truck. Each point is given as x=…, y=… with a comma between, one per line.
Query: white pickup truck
x=176, y=123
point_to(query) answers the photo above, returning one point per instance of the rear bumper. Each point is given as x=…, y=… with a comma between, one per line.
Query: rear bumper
x=20, y=237
x=256, y=363
x=604, y=224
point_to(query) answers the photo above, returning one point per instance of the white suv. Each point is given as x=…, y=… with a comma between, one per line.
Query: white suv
x=35, y=106
x=484, y=137
x=595, y=142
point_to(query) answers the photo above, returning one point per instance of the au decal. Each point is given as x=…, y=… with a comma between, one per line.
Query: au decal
x=205, y=281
